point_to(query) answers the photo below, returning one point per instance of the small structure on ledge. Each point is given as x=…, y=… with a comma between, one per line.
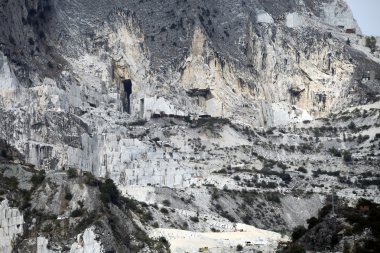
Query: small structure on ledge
x=370, y=76
x=351, y=30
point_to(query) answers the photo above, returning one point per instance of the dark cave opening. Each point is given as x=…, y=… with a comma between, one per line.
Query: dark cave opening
x=127, y=91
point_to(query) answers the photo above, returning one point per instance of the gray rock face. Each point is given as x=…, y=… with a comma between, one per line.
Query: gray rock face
x=78, y=52
x=239, y=67
x=11, y=225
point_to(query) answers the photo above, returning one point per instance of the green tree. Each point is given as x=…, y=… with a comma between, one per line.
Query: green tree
x=312, y=222
x=295, y=248
x=347, y=157
x=72, y=172
x=109, y=192
x=38, y=178
x=352, y=126
x=298, y=232
x=370, y=42
x=239, y=248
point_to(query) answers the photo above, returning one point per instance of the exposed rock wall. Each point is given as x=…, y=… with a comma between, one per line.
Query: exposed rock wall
x=86, y=243
x=259, y=72
x=338, y=13
x=12, y=222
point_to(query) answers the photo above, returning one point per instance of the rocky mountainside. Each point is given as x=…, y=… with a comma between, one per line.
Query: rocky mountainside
x=186, y=125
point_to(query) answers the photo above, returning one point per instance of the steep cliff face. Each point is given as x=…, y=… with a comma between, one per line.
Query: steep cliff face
x=263, y=64
x=177, y=94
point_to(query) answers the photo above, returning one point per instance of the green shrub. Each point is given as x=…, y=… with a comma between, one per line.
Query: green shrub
x=221, y=171
x=302, y=169
x=47, y=228
x=109, y=192
x=9, y=182
x=131, y=204
x=38, y=178
x=312, y=222
x=318, y=172
x=163, y=241
x=273, y=197
x=335, y=152
x=228, y=216
x=91, y=180
x=194, y=219
x=298, y=232
x=295, y=248
x=239, y=247
x=247, y=218
x=347, y=156
x=352, y=126
x=72, y=173
x=68, y=195
x=77, y=213
x=164, y=210
x=214, y=194
x=305, y=147
x=166, y=202
x=147, y=216
x=324, y=211
x=362, y=138
x=370, y=42
x=138, y=123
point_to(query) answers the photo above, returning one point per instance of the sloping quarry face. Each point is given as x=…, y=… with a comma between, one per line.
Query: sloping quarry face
x=215, y=114
x=190, y=44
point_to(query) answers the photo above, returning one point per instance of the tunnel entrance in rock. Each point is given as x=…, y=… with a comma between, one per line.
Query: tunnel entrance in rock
x=127, y=91
x=142, y=104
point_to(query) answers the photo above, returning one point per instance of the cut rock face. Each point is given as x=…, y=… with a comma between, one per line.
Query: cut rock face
x=12, y=222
